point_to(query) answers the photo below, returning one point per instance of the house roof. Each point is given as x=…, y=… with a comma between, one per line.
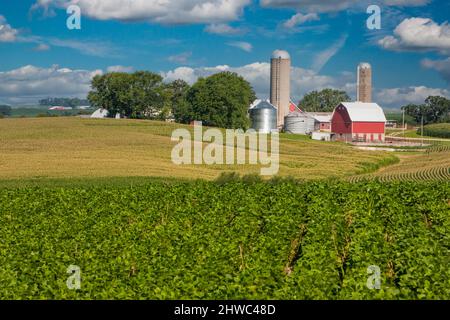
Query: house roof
x=364, y=112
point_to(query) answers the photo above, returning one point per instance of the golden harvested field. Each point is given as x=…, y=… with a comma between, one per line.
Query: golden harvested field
x=41, y=148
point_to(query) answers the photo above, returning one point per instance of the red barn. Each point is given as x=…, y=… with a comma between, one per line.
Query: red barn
x=358, y=121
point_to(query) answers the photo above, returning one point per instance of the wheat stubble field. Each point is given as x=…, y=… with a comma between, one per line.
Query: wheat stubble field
x=74, y=148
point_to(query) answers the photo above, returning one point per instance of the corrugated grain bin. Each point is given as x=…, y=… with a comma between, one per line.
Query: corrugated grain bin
x=299, y=123
x=263, y=117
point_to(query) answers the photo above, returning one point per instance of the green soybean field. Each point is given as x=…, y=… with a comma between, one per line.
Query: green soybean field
x=209, y=240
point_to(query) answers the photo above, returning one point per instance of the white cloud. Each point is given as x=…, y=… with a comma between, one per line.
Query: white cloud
x=258, y=74
x=323, y=57
x=306, y=80
x=156, y=11
x=441, y=66
x=406, y=3
x=247, y=47
x=418, y=34
x=300, y=18
x=119, y=69
x=41, y=47
x=90, y=48
x=7, y=33
x=184, y=73
x=310, y=5
x=336, y=5
x=181, y=58
x=224, y=29
x=398, y=97
x=30, y=83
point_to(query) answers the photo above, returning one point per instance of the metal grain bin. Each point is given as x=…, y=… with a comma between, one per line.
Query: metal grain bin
x=263, y=117
x=299, y=123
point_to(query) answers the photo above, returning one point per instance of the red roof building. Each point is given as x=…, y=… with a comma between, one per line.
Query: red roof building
x=293, y=108
x=359, y=122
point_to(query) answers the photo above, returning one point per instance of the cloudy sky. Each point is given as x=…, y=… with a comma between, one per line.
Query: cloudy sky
x=410, y=54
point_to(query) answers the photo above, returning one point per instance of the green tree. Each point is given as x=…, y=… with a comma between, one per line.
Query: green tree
x=5, y=110
x=65, y=102
x=221, y=100
x=137, y=95
x=435, y=109
x=178, y=90
x=323, y=101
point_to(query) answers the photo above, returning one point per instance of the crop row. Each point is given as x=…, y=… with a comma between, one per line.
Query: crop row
x=441, y=130
x=439, y=148
x=441, y=173
x=237, y=240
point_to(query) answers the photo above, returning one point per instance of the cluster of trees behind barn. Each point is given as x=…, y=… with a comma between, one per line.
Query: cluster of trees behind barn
x=5, y=111
x=435, y=109
x=220, y=100
x=63, y=102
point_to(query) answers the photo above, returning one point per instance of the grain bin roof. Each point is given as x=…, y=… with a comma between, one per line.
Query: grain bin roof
x=364, y=112
x=264, y=105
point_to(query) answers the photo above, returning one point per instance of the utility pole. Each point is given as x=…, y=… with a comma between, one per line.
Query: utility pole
x=422, y=130
x=404, y=123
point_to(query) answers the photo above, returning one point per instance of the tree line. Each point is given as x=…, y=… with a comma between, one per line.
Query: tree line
x=435, y=109
x=63, y=102
x=5, y=111
x=221, y=100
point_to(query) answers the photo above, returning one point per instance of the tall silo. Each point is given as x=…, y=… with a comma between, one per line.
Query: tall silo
x=299, y=123
x=263, y=117
x=364, y=84
x=280, y=83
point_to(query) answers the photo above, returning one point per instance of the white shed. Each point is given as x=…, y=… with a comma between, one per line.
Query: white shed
x=100, y=114
x=322, y=136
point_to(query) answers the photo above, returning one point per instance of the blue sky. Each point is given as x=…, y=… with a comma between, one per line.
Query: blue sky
x=40, y=56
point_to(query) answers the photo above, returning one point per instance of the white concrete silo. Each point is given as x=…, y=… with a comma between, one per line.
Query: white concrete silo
x=364, y=83
x=280, y=83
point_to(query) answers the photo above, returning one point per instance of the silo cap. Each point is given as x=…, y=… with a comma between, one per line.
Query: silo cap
x=280, y=54
x=365, y=65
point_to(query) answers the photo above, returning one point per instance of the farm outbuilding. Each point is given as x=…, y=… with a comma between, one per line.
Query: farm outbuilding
x=323, y=120
x=322, y=136
x=299, y=123
x=263, y=116
x=358, y=122
x=100, y=114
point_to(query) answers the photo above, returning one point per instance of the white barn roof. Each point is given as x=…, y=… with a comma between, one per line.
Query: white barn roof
x=364, y=112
